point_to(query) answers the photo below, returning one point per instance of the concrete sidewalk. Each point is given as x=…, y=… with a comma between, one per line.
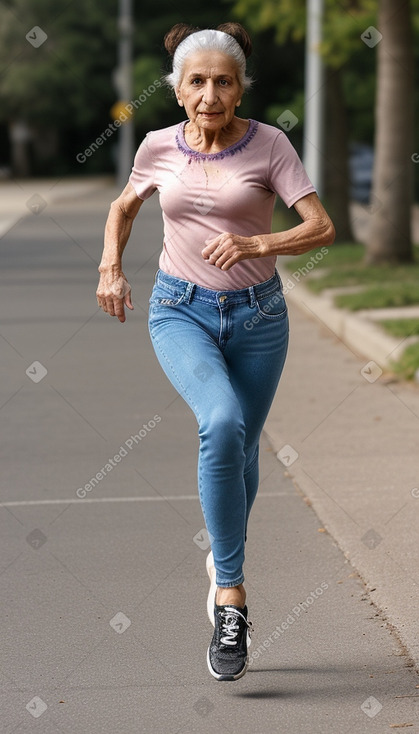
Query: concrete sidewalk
x=348, y=436
x=105, y=627
x=19, y=197
x=351, y=432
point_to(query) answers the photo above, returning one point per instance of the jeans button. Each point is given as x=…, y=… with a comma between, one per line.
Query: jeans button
x=222, y=299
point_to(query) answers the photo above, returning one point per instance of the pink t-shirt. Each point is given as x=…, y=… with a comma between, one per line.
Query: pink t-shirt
x=202, y=195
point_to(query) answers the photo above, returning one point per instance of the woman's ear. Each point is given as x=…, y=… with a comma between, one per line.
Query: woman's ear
x=178, y=97
x=238, y=103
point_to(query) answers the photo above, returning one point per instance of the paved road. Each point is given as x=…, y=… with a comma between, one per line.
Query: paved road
x=102, y=572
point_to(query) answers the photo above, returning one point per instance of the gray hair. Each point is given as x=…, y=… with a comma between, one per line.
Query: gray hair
x=208, y=40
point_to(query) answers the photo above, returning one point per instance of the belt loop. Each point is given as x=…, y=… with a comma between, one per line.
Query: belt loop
x=252, y=296
x=189, y=292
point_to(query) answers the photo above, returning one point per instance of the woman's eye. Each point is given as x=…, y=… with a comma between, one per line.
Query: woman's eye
x=196, y=81
x=223, y=82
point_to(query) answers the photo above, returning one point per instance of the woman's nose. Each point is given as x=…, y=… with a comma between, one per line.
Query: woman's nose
x=210, y=93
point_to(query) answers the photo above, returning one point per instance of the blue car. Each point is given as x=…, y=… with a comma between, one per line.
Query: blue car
x=361, y=160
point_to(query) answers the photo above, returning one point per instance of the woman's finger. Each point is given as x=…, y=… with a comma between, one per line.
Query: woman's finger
x=119, y=310
x=127, y=300
x=114, y=296
x=212, y=244
x=109, y=306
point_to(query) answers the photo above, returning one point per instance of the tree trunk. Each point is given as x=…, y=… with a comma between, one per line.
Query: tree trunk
x=389, y=237
x=336, y=157
x=20, y=136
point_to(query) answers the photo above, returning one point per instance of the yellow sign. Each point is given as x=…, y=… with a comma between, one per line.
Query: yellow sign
x=121, y=111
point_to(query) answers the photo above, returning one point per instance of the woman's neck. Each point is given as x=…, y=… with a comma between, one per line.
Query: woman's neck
x=213, y=141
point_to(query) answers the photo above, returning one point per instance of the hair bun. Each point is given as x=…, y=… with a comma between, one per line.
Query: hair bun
x=176, y=35
x=239, y=34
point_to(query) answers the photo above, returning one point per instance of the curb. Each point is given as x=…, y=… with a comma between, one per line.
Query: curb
x=358, y=332
x=392, y=593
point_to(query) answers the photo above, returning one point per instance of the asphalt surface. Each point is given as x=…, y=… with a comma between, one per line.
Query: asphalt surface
x=102, y=574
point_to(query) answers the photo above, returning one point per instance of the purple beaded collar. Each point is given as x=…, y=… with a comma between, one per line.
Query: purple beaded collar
x=231, y=150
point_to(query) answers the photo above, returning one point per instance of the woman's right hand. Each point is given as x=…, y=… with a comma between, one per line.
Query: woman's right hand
x=114, y=292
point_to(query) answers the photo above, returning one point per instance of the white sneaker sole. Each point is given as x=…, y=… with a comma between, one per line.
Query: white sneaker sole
x=213, y=587
x=219, y=676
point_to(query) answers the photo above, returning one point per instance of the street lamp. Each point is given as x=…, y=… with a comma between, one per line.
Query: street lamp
x=124, y=87
x=314, y=96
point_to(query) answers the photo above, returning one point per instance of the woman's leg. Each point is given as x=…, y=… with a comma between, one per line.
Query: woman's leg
x=194, y=363
x=255, y=359
x=226, y=363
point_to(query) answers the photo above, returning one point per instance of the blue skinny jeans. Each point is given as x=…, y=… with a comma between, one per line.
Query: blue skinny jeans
x=224, y=352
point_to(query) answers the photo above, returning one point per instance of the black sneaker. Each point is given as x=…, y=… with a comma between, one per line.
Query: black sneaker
x=227, y=653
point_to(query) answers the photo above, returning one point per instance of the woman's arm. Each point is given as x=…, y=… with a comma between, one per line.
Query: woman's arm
x=315, y=230
x=113, y=292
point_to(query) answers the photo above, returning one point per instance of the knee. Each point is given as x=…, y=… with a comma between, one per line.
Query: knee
x=223, y=425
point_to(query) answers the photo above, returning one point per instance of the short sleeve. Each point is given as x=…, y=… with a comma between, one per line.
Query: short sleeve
x=142, y=174
x=287, y=175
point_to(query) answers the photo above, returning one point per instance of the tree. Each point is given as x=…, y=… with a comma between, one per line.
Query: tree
x=56, y=87
x=55, y=83
x=390, y=230
x=343, y=25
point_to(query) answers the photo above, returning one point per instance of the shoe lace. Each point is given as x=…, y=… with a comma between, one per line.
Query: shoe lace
x=230, y=626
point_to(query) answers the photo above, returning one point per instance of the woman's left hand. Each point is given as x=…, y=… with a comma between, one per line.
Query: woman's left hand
x=227, y=249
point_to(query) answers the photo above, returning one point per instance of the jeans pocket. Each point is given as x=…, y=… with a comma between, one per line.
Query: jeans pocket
x=161, y=296
x=272, y=306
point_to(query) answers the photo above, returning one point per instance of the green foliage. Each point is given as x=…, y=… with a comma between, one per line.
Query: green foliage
x=401, y=327
x=295, y=104
x=67, y=77
x=408, y=364
x=338, y=259
x=343, y=23
x=287, y=17
x=388, y=295
x=344, y=267
x=147, y=71
x=381, y=286
x=66, y=84
x=342, y=48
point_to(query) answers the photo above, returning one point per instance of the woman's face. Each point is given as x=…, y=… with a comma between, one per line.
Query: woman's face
x=210, y=89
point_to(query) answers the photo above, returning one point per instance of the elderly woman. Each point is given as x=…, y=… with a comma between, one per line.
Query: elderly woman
x=218, y=319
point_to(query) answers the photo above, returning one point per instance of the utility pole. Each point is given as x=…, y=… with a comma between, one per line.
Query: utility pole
x=313, y=146
x=123, y=81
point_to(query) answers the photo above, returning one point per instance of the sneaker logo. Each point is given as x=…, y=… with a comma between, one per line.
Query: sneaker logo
x=230, y=629
x=230, y=632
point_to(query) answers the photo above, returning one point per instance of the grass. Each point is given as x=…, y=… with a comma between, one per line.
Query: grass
x=401, y=327
x=408, y=364
x=342, y=256
x=387, y=295
x=385, y=286
x=344, y=266
x=382, y=286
